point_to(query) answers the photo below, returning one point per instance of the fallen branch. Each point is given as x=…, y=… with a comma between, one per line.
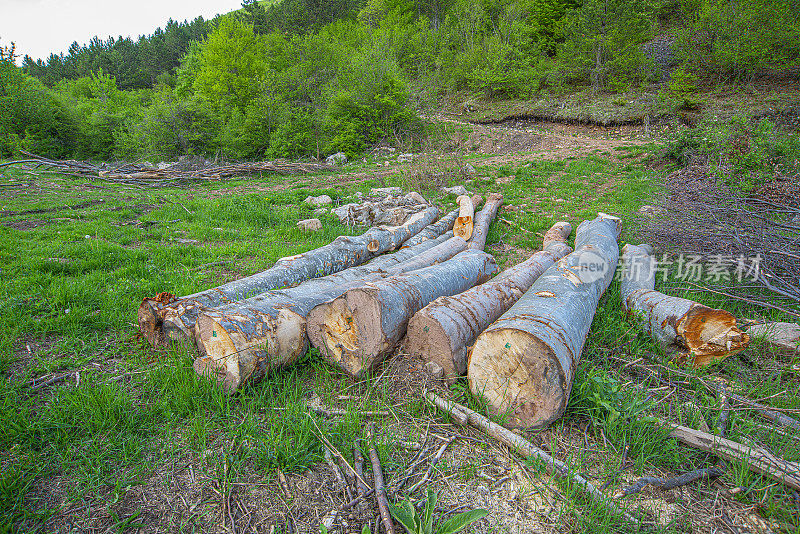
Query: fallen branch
x=435, y=460
x=465, y=416
x=758, y=460
x=669, y=483
x=380, y=488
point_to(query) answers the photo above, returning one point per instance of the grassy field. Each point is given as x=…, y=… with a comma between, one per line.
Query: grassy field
x=134, y=441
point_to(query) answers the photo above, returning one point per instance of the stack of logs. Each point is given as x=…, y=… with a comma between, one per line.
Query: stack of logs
x=517, y=337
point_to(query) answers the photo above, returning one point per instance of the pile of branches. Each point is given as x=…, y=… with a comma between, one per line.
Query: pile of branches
x=705, y=215
x=147, y=175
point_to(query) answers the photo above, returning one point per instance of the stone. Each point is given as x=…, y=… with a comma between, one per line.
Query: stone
x=469, y=169
x=340, y=158
x=187, y=241
x=343, y=212
x=415, y=197
x=310, y=225
x=320, y=211
x=386, y=191
x=434, y=369
x=782, y=337
x=651, y=211
x=457, y=190
x=402, y=158
x=505, y=179
x=322, y=200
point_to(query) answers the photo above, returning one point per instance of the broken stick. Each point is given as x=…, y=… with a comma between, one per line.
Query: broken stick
x=380, y=488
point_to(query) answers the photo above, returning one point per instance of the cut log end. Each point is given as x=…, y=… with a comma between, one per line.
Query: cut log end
x=711, y=335
x=427, y=339
x=466, y=211
x=219, y=361
x=520, y=377
x=348, y=331
x=150, y=323
x=374, y=245
x=558, y=233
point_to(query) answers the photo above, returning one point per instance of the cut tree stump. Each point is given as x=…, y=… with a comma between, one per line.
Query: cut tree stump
x=443, y=330
x=243, y=341
x=341, y=253
x=525, y=362
x=484, y=219
x=466, y=211
x=357, y=330
x=678, y=324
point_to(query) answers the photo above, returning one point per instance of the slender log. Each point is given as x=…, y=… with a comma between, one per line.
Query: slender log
x=670, y=483
x=466, y=211
x=357, y=330
x=434, y=230
x=442, y=331
x=343, y=252
x=380, y=487
x=707, y=334
x=525, y=362
x=557, y=468
x=757, y=459
x=244, y=341
x=483, y=219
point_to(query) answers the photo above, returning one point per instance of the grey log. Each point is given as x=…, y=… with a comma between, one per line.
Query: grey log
x=443, y=330
x=341, y=253
x=484, y=219
x=243, y=341
x=357, y=330
x=434, y=230
x=525, y=362
x=703, y=335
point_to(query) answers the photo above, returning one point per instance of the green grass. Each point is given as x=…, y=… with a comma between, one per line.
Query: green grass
x=116, y=431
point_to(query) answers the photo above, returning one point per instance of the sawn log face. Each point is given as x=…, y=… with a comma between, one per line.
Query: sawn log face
x=525, y=362
x=443, y=330
x=357, y=330
x=341, y=253
x=678, y=324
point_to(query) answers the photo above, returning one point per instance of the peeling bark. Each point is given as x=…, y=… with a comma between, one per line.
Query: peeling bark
x=678, y=324
x=466, y=211
x=442, y=331
x=483, y=219
x=357, y=330
x=341, y=253
x=243, y=341
x=525, y=362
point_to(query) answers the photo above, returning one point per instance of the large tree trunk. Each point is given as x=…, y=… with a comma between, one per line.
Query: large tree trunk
x=483, y=219
x=466, y=211
x=341, y=253
x=525, y=362
x=357, y=330
x=442, y=331
x=678, y=324
x=245, y=340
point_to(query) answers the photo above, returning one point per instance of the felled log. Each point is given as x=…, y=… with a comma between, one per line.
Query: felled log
x=525, y=362
x=434, y=230
x=677, y=324
x=342, y=252
x=784, y=338
x=466, y=211
x=357, y=330
x=483, y=219
x=243, y=341
x=442, y=331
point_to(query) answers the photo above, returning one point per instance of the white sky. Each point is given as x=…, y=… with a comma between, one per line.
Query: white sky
x=42, y=27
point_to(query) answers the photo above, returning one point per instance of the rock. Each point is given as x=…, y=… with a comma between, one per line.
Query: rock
x=651, y=211
x=434, y=369
x=456, y=190
x=187, y=241
x=322, y=200
x=469, y=169
x=782, y=337
x=165, y=165
x=320, y=211
x=386, y=191
x=505, y=179
x=343, y=212
x=415, y=197
x=559, y=200
x=310, y=225
x=402, y=158
x=340, y=158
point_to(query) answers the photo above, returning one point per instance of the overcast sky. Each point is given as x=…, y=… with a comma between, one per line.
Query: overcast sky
x=42, y=27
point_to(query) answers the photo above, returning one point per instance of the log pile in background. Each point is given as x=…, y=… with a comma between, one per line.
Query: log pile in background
x=243, y=341
x=443, y=330
x=160, y=322
x=357, y=330
x=385, y=209
x=525, y=362
x=678, y=324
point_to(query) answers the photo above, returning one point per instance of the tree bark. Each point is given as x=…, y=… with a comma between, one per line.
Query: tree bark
x=243, y=341
x=677, y=324
x=483, y=219
x=443, y=330
x=525, y=362
x=432, y=231
x=466, y=211
x=341, y=253
x=357, y=330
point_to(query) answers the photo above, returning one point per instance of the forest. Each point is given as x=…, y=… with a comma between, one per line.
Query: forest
x=306, y=78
